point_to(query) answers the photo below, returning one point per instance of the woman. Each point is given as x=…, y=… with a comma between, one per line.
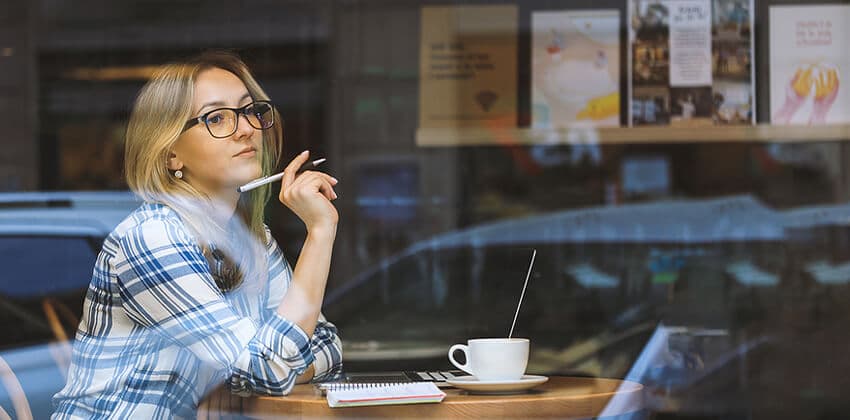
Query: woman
x=191, y=291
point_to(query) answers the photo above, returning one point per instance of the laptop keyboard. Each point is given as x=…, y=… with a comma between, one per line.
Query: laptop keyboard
x=437, y=377
x=407, y=376
x=433, y=376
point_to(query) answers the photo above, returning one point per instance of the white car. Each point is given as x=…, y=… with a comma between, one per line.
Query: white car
x=48, y=245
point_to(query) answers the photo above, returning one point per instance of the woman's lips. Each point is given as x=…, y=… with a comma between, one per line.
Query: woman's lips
x=250, y=152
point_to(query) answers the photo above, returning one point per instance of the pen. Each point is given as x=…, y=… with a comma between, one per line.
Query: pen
x=272, y=178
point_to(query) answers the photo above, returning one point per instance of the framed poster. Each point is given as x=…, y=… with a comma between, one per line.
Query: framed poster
x=809, y=55
x=575, y=66
x=468, y=67
x=691, y=62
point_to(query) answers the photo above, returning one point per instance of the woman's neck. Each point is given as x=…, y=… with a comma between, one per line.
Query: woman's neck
x=224, y=208
x=223, y=202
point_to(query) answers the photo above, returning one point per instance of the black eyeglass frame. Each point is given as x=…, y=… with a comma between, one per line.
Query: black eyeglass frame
x=239, y=112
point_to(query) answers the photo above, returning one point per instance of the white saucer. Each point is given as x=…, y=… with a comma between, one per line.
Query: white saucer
x=472, y=384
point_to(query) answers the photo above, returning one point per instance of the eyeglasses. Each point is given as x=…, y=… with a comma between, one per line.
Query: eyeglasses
x=223, y=122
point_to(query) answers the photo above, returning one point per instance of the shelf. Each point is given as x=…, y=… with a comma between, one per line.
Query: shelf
x=764, y=133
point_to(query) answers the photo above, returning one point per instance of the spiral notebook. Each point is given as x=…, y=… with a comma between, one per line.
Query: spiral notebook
x=360, y=394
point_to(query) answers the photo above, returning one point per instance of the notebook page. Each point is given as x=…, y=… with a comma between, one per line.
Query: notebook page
x=383, y=394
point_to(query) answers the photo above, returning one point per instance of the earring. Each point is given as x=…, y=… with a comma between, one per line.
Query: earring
x=178, y=174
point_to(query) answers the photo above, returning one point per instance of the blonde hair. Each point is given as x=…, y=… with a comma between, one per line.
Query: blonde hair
x=159, y=114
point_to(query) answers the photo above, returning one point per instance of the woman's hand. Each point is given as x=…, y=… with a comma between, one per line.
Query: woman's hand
x=309, y=195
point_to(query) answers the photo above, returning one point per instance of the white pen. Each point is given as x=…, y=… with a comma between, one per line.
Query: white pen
x=272, y=178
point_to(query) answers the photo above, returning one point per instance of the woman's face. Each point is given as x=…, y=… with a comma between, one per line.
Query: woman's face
x=218, y=165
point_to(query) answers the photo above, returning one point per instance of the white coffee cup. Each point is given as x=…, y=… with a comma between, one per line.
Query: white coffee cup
x=493, y=359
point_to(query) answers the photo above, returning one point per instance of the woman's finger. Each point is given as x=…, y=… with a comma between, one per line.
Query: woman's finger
x=316, y=181
x=325, y=177
x=328, y=190
x=308, y=175
x=289, y=174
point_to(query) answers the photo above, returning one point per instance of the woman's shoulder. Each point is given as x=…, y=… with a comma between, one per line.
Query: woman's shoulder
x=149, y=218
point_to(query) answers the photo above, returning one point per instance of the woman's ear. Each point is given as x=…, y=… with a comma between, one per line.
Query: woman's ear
x=173, y=163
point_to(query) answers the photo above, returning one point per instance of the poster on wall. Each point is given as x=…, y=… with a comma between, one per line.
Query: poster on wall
x=575, y=68
x=691, y=62
x=809, y=55
x=467, y=67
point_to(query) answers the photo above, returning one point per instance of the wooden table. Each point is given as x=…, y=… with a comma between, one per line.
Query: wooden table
x=560, y=397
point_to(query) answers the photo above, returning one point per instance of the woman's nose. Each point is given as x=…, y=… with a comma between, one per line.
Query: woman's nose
x=244, y=129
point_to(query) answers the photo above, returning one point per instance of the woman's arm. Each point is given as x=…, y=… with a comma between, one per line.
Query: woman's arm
x=309, y=196
x=325, y=343
x=327, y=351
x=165, y=284
x=303, y=299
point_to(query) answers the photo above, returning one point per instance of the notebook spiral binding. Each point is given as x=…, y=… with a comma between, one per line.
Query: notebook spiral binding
x=360, y=385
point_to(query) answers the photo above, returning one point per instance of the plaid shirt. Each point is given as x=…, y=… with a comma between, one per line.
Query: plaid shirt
x=157, y=333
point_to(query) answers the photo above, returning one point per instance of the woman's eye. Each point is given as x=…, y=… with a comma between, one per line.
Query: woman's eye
x=215, y=118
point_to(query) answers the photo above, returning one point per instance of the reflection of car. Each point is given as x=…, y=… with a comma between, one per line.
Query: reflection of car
x=598, y=274
x=605, y=282
x=48, y=245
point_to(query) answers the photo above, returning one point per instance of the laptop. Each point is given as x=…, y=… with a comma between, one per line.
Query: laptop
x=438, y=377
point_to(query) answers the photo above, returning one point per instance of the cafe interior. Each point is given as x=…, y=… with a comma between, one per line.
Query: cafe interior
x=680, y=169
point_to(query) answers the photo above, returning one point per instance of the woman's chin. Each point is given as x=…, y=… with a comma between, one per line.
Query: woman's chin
x=242, y=181
x=249, y=173
x=246, y=177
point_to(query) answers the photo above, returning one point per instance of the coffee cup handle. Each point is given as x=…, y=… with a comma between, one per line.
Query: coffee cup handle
x=465, y=349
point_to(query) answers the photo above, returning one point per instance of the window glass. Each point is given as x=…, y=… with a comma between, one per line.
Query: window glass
x=682, y=178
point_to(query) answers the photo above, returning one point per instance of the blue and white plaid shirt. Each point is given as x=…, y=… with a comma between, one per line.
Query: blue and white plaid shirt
x=157, y=333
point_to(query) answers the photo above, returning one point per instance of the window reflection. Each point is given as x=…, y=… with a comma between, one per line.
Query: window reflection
x=715, y=272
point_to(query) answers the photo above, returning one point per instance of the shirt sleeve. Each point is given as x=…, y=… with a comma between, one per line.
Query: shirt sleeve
x=325, y=344
x=165, y=284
